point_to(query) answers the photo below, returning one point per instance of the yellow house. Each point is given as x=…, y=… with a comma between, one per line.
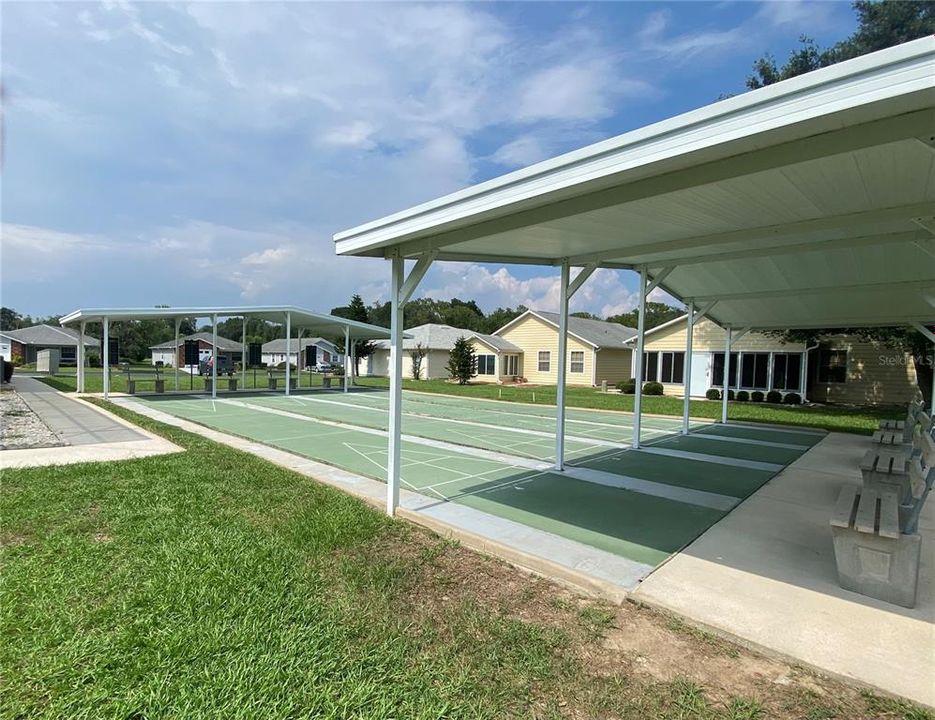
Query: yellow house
x=597, y=350
x=839, y=368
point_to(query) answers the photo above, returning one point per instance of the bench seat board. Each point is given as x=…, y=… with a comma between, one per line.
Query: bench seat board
x=889, y=515
x=844, y=509
x=865, y=521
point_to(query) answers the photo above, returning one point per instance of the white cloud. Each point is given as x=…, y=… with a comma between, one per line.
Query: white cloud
x=567, y=92
x=525, y=150
x=357, y=135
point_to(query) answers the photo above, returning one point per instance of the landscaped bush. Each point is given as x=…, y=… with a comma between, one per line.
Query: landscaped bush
x=774, y=397
x=628, y=387
x=743, y=396
x=730, y=394
x=653, y=388
x=713, y=394
x=792, y=399
x=756, y=396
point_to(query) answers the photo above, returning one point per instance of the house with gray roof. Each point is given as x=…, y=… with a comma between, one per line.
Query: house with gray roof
x=26, y=343
x=313, y=350
x=169, y=355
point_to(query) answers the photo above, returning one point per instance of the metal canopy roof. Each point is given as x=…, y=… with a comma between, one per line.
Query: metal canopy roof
x=808, y=203
x=315, y=323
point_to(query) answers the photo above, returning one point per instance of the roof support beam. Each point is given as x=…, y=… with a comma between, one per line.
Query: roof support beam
x=658, y=278
x=580, y=278
x=839, y=141
x=869, y=287
x=767, y=233
x=416, y=275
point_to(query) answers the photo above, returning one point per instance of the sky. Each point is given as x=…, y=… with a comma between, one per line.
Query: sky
x=206, y=153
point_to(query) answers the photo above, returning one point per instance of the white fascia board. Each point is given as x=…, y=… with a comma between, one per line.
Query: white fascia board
x=872, y=78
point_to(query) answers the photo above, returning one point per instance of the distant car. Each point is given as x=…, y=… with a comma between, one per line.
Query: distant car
x=324, y=367
x=225, y=365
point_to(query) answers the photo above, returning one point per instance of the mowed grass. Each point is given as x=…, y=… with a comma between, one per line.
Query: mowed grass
x=211, y=583
x=860, y=420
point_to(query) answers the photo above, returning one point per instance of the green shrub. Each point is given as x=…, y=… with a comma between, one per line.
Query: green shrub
x=713, y=394
x=743, y=396
x=774, y=397
x=792, y=399
x=756, y=396
x=730, y=394
x=653, y=388
x=628, y=387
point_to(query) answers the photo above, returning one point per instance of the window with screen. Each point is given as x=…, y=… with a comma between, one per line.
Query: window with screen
x=650, y=366
x=576, y=365
x=545, y=361
x=673, y=367
x=717, y=369
x=832, y=366
x=754, y=371
x=509, y=364
x=486, y=364
x=787, y=371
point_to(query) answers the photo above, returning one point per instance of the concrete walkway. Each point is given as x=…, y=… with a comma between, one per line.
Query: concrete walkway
x=765, y=575
x=91, y=434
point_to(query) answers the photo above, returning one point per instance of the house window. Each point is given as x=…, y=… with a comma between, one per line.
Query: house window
x=650, y=366
x=717, y=369
x=510, y=362
x=754, y=371
x=545, y=361
x=787, y=371
x=832, y=366
x=486, y=364
x=673, y=367
x=577, y=361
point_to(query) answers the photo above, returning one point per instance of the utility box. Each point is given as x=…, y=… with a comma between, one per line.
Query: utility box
x=47, y=361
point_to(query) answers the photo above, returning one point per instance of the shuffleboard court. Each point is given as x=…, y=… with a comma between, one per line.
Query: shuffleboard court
x=639, y=527
x=789, y=436
x=737, y=451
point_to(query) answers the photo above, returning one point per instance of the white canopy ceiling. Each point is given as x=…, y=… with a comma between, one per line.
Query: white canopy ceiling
x=314, y=323
x=808, y=203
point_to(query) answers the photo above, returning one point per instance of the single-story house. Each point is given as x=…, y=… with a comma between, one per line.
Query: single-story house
x=597, y=350
x=314, y=350
x=26, y=343
x=436, y=341
x=838, y=368
x=171, y=356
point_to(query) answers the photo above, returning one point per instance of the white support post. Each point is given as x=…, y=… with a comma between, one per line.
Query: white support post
x=725, y=384
x=396, y=389
x=289, y=351
x=931, y=336
x=687, y=365
x=638, y=391
x=81, y=355
x=353, y=362
x=243, y=356
x=214, y=356
x=106, y=354
x=175, y=360
x=562, y=366
x=347, y=354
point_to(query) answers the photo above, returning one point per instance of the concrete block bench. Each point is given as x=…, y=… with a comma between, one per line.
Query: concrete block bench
x=873, y=557
x=887, y=467
x=921, y=479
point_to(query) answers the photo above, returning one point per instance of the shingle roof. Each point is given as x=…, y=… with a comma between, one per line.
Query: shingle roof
x=279, y=345
x=49, y=335
x=498, y=343
x=223, y=342
x=434, y=336
x=600, y=333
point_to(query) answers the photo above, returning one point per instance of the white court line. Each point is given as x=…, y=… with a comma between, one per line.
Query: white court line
x=370, y=459
x=510, y=483
x=717, y=459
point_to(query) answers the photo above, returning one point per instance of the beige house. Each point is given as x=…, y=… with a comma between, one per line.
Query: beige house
x=495, y=356
x=840, y=368
x=597, y=350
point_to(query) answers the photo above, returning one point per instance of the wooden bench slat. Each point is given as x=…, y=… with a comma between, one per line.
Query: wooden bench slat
x=867, y=511
x=889, y=515
x=844, y=508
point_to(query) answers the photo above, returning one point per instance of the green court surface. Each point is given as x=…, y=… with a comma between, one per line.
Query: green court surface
x=778, y=435
x=347, y=430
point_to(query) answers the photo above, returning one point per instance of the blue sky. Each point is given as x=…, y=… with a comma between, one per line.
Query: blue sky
x=194, y=154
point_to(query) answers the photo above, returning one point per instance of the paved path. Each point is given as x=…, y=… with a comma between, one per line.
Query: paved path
x=75, y=422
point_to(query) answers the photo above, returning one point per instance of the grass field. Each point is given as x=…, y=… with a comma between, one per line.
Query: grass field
x=861, y=420
x=211, y=583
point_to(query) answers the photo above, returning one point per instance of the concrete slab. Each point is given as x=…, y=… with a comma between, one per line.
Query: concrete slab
x=775, y=553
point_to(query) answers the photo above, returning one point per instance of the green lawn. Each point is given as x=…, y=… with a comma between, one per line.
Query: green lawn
x=212, y=584
x=862, y=420
x=66, y=379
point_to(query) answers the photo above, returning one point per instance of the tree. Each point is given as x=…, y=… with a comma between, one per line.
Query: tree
x=358, y=312
x=462, y=365
x=879, y=25
x=418, y=355
x=501, y=316
x=657, y=313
